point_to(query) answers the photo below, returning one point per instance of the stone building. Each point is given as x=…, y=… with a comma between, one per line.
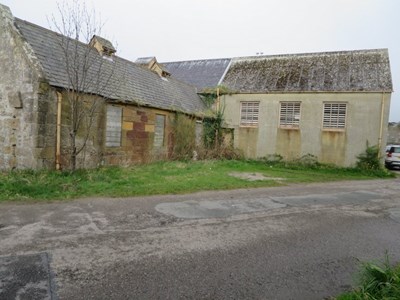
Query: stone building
x=135, y=106
x=325, y=104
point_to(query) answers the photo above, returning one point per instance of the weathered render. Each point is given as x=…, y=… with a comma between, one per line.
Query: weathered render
x=360, y=81
x=356, y=85
x=34, y=83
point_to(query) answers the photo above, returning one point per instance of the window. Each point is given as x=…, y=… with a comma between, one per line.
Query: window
x=334, y=115
x=289, y=116
x=249, y=113
x=159, y=131
x=113, y=126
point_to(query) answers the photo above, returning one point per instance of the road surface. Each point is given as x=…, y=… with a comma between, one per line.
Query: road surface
x=294, y=242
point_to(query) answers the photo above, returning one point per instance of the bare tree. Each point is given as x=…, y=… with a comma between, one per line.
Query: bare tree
x=86, y=72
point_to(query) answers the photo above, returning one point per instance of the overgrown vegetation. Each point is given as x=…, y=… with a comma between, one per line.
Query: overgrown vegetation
x=369, y=160
x=213, y=129
x=185, y=137
x=216, y=139
x=210, y=95
x=376, y=282
x=172, y=177
x=310, y=162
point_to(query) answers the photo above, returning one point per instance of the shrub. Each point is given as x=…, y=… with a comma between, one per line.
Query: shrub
x=185, y=137
x=377, y=281
x=369, y=160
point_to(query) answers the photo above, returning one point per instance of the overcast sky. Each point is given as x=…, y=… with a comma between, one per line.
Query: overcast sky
x=175, y=30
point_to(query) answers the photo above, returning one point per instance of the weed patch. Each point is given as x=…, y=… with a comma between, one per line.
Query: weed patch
x=376, y=281
x=168, y=177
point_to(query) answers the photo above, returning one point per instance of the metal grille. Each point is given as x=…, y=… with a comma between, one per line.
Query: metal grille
x=335, y=115
x=289, y=114
x=249, y=113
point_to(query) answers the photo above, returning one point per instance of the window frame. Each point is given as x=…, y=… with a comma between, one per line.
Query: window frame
x=252, y=116
x=293, y=112
x=335, y=118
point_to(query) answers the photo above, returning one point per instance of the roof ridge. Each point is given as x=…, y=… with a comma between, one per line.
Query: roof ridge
x=312, y=53
x=196, y=60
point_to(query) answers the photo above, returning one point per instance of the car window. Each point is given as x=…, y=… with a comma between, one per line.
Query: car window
x=395, y=150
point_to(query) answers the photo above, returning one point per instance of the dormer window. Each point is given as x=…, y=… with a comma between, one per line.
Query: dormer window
x=152, y=64
x=102, y=45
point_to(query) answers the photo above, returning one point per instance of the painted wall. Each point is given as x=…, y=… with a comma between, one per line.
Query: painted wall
x=338, y=147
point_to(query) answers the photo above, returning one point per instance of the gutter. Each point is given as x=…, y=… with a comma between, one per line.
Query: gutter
x=381, y=125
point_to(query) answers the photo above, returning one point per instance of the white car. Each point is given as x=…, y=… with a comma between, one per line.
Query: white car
x=392, y=158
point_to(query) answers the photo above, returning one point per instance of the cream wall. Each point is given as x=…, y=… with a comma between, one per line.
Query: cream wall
x=363, y=121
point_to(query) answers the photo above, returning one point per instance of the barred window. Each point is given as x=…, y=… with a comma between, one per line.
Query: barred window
x=334, y=115
x=249, y=113
x=289, y=114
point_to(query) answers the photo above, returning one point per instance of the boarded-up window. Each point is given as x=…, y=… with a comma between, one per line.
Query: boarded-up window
x=249, y=113
x=114, y=126
x=289, y=116
x=334, y=115
x=159, y=131
x=199, y=133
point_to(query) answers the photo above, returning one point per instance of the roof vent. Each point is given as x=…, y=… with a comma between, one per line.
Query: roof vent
x=152, y=64
x=103, y=46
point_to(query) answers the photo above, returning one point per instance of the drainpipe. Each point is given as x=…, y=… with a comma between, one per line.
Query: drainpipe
x=58, y=131
x=381, y=125
x=218, y=105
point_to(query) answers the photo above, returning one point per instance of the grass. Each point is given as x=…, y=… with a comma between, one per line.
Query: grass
x=163, y=178
x=376, y=282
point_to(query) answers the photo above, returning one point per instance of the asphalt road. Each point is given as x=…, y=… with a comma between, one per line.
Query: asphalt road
x=295, y=242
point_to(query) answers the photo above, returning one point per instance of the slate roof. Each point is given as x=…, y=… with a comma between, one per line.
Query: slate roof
x=200, y=73
x=343, y=71
x=123, y=80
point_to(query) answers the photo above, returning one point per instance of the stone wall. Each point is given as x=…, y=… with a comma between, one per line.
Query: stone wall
x=137, y=139
x=92, y=154
x=19, y=99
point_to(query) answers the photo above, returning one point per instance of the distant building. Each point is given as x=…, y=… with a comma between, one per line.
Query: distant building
x=325, y=104
x=393, y=136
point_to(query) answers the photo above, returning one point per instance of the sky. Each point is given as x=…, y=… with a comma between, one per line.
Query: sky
x=175, y=30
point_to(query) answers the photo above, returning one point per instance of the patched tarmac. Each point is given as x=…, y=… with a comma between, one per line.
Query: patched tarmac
x=197, y=209
x=26, y=277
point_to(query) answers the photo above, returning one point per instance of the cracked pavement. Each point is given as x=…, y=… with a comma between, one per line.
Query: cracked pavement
x=294, y=242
